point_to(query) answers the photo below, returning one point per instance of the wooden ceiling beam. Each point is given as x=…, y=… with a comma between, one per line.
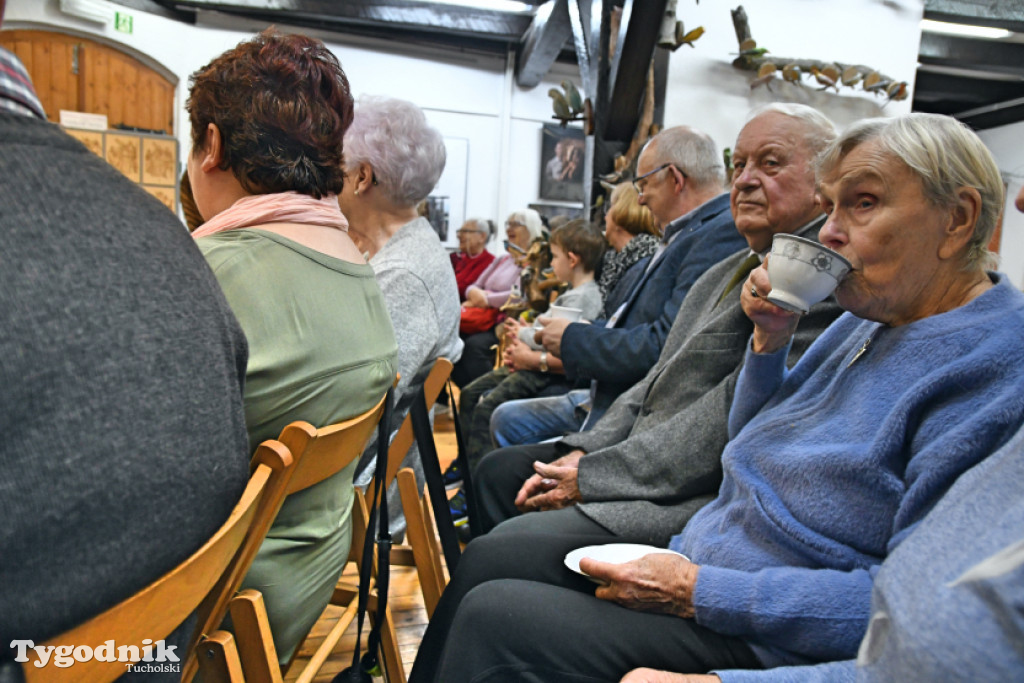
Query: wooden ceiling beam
x=628, y=75
x=401, y=14
x=543, y=42
x=963, y=92
x=1008, y=14
x=994, y=115
x=970, y=53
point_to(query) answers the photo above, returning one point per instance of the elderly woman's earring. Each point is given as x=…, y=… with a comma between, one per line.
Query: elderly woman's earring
x=357, y=192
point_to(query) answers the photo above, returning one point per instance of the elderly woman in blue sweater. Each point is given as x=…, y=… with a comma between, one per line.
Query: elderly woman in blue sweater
x=945, y=603
x=831, y=464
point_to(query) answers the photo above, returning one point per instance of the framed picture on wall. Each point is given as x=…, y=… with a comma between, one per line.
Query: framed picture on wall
x=561, y=163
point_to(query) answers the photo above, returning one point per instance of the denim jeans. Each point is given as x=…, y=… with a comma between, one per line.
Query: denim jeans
x=533, y=420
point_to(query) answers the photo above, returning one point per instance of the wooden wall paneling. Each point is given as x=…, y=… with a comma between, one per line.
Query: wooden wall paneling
x=98, y=95
x=48, y=59
x=108, y=81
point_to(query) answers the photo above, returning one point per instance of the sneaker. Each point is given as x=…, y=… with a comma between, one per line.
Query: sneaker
x=464, y=534
x=452, y=477
x=458, y=508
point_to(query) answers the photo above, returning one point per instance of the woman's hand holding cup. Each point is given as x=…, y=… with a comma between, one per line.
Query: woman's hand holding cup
x=773, y=326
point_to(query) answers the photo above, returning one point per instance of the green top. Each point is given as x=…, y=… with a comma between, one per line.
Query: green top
x=321, y=349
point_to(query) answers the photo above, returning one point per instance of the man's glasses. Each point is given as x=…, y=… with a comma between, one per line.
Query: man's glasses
x=640, y=184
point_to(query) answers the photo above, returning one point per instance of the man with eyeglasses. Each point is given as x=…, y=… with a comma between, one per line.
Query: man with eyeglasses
x=645, y=468
x=680, y=179
x=652, y=460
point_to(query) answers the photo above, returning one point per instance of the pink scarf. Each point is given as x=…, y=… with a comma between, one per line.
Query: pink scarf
x=281, y=207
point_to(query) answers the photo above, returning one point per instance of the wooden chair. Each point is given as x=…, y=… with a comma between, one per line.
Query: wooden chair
x=319, y=454
x=158, y=609
x=404, y=437
x=416, y=552
x=421, y=533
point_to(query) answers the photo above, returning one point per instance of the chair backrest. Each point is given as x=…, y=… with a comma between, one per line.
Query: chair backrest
x=319, y=454
x=158, y=609
x=211, y=612
x=404, y=437
x=322, y=453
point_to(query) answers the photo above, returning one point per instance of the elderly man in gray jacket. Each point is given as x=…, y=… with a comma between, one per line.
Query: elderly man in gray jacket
x=653, y=460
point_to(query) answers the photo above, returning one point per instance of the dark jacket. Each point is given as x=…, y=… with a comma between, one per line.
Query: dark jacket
x=654, y=458
x=620, y=356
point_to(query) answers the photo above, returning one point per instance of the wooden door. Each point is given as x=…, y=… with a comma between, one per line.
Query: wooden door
x=79, y=74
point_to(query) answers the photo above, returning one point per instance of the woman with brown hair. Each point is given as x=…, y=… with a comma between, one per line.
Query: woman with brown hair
x=268, y=121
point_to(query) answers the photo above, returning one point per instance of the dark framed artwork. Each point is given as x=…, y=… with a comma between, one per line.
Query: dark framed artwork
x=561, y=163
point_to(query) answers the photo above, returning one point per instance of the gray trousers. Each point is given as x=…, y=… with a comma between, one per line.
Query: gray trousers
x=514, y=612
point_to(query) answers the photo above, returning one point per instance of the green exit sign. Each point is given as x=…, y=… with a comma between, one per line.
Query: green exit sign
x=123, y=22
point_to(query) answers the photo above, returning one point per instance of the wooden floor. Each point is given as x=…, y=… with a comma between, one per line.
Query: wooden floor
x=405, y=598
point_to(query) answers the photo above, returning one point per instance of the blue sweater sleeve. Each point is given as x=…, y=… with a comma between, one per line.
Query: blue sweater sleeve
x=833, y=672
x=761, y=375
x=821, y=613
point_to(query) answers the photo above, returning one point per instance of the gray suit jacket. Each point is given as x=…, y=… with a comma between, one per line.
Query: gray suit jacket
x=654, y=458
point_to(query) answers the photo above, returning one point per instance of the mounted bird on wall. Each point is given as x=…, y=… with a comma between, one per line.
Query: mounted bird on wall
x=826, y=75
x=567, y=103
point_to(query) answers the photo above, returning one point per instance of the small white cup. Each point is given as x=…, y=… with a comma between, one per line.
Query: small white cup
x=570, y=314
x=803, y=272
x=526, y=334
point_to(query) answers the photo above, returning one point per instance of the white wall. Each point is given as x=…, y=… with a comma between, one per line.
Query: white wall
x=707, y=92
x=473, y=98
x=1008, y=149
x=469, y=97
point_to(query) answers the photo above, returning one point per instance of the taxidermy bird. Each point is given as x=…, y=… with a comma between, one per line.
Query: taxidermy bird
x=765, y=76
x=827, y=77
x=749, y=49
x=567, y=103
x=873, y=82
x=896, y=91
x=850, y=76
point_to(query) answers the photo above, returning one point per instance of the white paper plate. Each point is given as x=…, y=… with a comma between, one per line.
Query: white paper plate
x=616, y=553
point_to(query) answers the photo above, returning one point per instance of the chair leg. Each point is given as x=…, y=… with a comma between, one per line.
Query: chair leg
x=390, y=654
x=255, y=641
x=218, y=659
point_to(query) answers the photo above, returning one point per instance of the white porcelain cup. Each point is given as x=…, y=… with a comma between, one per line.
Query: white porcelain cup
x=571, y=314
x=803, y=272
x=526, y=335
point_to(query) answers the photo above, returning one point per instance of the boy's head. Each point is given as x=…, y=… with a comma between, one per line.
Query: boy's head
x=575, y=245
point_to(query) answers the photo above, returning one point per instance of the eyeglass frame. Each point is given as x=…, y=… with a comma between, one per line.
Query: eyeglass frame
x=636, y=181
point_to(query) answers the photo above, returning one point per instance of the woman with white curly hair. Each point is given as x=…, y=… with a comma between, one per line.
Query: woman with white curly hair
x=393, y=159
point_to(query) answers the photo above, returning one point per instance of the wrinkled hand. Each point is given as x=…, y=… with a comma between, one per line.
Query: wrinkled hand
x=511, y=327
x=773, y=326
x=660, y=582
x=555, y=486
x=475, y=298
x=654, y=676
x=508, y=355
x=550, y=334
x=520, y=356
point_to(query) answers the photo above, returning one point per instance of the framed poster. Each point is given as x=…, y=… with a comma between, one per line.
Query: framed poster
x=561, y=163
